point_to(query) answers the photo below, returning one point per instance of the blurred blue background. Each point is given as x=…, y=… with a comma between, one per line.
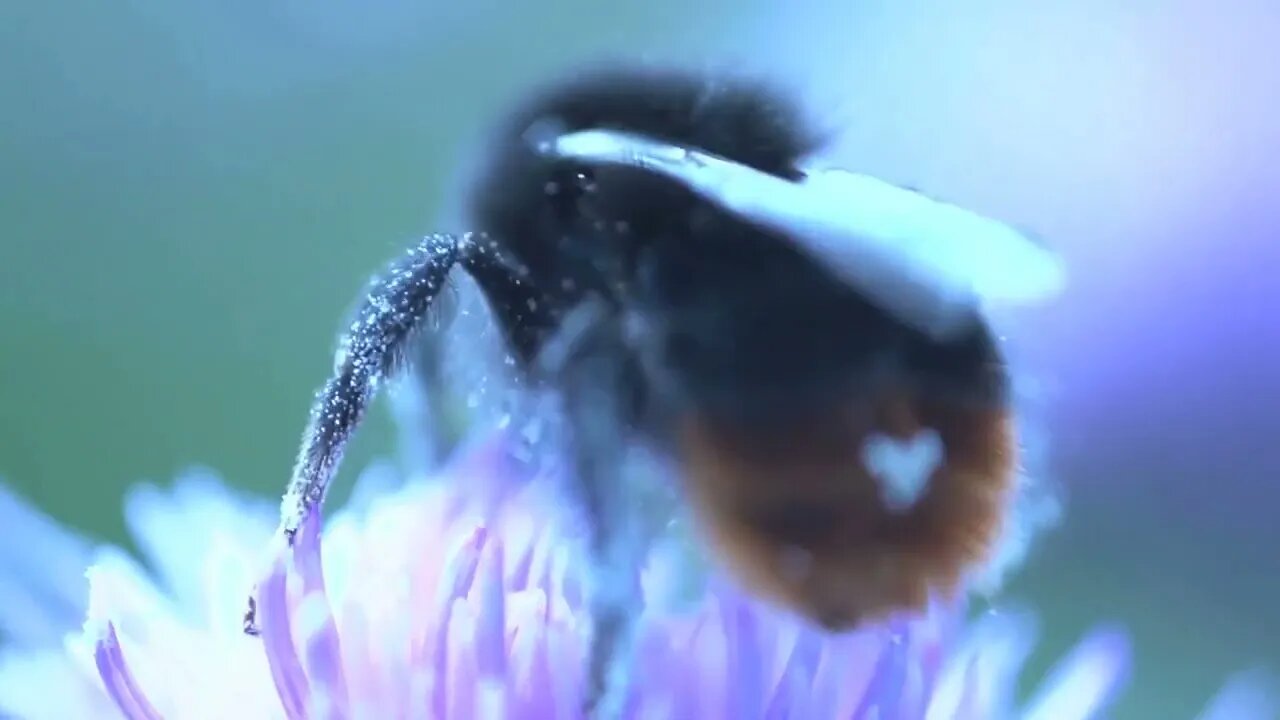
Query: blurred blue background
x=191, y=193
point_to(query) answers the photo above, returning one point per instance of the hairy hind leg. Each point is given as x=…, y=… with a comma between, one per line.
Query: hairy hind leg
x=396, y=307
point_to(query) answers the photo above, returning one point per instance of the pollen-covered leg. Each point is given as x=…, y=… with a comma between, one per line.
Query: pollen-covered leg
x=597, y=377
x=371, y=349
x=421, y=402
x=397, y=305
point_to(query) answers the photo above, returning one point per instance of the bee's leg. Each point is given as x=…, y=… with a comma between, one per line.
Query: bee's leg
x=396, y=307
x=420, y=405
x=596, y=374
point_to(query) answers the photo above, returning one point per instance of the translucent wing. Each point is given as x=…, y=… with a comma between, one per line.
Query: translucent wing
x=930, y=263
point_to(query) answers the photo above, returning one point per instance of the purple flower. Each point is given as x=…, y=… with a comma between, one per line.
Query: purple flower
x=421, y=604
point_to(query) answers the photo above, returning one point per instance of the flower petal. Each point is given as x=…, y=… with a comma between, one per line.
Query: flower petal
x=1086, y=681
x=790, y=695
x=884, y=692
x=277, y=641
x=746, y=658
x=491, y=650
x=977, y=681
x=164, y=653
x=173, y=527
x=47, y=685
x=43, y=593
x=1249, y=695
x=118, y=680
x=477, y=612
x=316, y=626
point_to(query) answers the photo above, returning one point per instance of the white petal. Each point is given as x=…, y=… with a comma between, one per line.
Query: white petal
x=46, y=685
x=178, y=666
x=1085, y=682
x=157, y=647
x=42, y=586
x=180, y=528
x=1247, y=696
x=981, y=670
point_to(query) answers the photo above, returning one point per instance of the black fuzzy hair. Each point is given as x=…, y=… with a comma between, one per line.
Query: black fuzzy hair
x=747, y=120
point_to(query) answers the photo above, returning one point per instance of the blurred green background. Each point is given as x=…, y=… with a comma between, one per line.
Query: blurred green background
x=192, y=193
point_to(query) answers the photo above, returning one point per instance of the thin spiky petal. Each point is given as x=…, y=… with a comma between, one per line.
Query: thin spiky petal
x=277, y=640
x=118, y=679
x=1249, y=694
x=746, y=658
x=491, y=635
x=1086, y=681
x=317, y=627
x=884, y=694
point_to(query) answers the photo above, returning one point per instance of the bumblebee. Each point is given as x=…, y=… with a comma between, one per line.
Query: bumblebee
x=656, y=251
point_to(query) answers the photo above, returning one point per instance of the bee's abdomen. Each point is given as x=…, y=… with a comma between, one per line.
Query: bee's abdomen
x=798, y=515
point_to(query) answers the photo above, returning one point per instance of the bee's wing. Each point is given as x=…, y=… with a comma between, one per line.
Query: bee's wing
x=930, y=263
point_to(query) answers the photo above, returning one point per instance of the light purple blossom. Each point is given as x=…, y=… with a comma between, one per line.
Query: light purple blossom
x=423, y=605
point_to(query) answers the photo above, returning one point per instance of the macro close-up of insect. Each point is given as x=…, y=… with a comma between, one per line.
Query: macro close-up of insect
x=656, y=252
x=639, y=361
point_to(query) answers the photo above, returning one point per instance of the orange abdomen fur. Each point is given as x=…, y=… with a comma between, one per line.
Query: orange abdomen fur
x=798, y=516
